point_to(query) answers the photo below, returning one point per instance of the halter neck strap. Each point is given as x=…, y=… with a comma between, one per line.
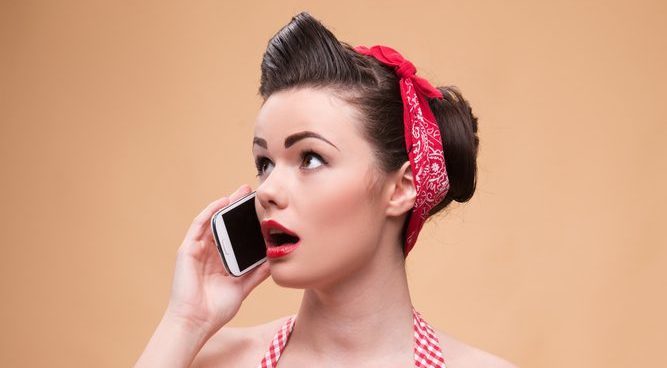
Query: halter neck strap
x=427, y=352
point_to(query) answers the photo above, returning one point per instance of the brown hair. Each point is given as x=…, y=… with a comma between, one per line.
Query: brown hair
x=304, y=53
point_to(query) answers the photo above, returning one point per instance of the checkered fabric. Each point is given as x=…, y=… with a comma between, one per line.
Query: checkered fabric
x=427, y=346
x=278, y=344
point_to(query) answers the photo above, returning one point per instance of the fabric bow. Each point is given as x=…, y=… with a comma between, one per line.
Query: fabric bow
x=422, y=138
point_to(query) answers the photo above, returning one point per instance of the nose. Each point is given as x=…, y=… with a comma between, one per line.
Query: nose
x=271, y=193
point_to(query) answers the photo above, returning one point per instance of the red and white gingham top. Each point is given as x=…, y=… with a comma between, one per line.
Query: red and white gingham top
x=427, y=346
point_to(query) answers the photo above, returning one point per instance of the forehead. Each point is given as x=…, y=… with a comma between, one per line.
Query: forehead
x=317, y=110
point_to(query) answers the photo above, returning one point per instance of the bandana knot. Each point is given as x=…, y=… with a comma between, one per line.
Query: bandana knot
x=422, y=138
x=403, y=67
x=406, y=70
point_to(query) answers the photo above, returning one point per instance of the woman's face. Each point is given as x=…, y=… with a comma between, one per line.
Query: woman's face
x=316, y=173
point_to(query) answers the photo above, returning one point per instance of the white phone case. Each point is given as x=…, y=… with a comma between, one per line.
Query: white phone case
x=224, y=245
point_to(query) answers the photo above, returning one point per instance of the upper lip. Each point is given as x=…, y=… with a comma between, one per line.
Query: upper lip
x=268, y=225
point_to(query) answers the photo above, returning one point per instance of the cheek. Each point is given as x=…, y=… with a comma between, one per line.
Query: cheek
x=339, y=197
x=340, y=226
x=341, y=218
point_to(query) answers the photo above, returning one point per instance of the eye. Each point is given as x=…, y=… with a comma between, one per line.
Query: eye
x=260, y=163
x=312, y=160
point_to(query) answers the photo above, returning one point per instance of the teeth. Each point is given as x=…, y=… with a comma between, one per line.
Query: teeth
x=275, y=231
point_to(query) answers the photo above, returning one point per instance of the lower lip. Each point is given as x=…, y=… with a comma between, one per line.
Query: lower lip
x=281, y=251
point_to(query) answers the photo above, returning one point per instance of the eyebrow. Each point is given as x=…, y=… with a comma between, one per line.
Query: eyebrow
x=292, y=139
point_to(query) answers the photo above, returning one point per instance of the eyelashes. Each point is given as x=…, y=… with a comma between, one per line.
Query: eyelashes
x=259, y=164
x=261, y=161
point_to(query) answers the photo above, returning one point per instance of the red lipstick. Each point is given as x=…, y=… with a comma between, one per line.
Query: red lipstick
x=280, y=241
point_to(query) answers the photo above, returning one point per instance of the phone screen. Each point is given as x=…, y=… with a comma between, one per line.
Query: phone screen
x=245, y=234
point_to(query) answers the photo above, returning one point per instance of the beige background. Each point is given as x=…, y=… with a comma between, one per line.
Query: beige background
x=121, y=120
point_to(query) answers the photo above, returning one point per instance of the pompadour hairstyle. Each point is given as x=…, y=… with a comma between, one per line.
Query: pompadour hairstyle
x=304, y=53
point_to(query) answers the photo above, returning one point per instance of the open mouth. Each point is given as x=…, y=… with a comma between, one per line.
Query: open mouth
x=278, y=239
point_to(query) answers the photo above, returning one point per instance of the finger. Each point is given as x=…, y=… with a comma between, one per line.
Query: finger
x=205, y=232
x=241, y=192
x=216, y=205
x=224, y=271
x=255, y=277
x=200, y=224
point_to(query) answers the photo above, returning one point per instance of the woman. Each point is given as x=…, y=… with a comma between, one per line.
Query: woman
x=333, y=167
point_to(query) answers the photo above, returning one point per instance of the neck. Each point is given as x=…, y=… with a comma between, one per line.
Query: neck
x=366, y=315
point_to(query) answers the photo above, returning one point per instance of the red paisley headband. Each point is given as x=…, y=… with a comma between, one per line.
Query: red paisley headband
x=422, y=138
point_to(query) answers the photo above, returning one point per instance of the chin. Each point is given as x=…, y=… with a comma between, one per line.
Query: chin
x=288, y=281
x=291, y=275
x=287, y=275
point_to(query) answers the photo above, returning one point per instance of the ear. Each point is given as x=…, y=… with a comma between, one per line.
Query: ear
x=403, y=194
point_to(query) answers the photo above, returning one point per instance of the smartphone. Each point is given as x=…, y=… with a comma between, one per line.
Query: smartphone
x=238, y=236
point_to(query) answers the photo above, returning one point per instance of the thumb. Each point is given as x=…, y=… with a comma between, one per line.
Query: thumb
x=255, y=278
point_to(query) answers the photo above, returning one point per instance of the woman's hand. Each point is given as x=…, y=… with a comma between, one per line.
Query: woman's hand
x=203, y=295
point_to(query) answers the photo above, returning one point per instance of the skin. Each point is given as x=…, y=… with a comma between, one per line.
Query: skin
x=356, y=307
x=324, y=199
x=353, y=283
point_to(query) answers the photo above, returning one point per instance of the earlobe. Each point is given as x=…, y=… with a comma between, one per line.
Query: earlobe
x=404, y=194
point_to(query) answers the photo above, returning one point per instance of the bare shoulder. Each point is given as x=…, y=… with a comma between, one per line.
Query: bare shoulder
x=237, y=346
x=460, y=355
